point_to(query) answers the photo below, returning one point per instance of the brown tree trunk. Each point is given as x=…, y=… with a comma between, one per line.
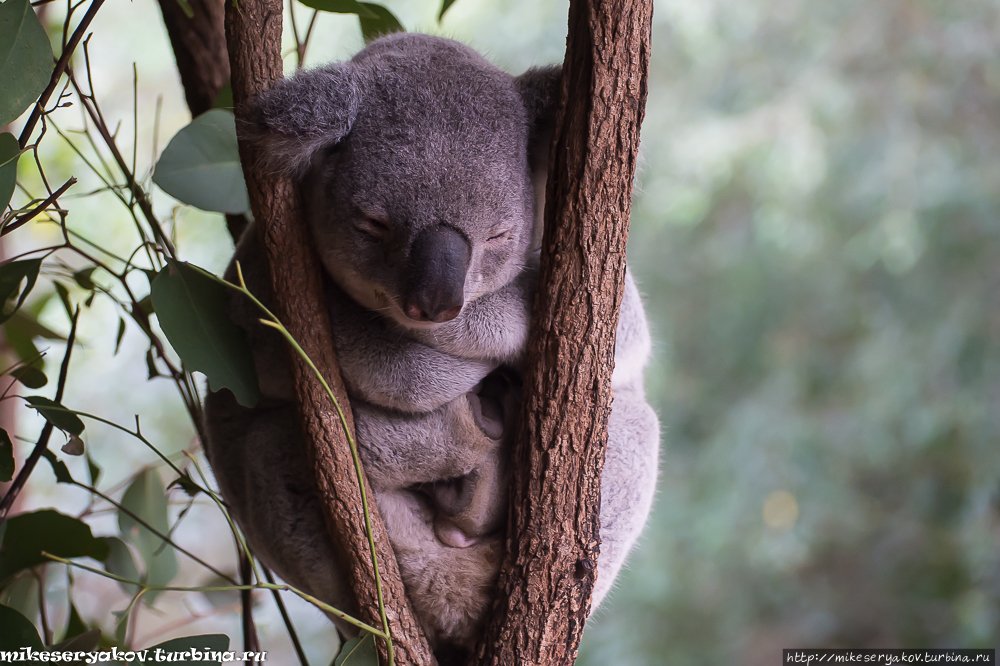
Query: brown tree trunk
x=199, y=44
x=253, y=35
x=548, y=573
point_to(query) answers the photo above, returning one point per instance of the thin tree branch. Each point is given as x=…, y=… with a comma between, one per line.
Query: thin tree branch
x=24, y=218
x=61, y=65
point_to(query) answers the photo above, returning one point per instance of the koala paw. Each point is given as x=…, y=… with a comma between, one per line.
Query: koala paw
x=493, y=402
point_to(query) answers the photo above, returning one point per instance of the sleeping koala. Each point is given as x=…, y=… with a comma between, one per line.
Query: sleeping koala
x=419, y=165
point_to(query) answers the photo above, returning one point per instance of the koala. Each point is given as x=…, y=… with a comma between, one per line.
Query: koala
x=421, y=168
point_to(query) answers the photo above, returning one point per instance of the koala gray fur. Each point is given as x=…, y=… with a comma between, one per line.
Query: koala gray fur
x=420, y=166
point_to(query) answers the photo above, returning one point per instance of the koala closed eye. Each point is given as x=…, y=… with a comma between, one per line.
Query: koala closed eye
x=499, y=237
x=375, y=229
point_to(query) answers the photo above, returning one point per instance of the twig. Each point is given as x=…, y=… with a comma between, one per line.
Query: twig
x=24, y=218
x=61, y=65
x=325, y=607
x=250, y=641
x=288, y=620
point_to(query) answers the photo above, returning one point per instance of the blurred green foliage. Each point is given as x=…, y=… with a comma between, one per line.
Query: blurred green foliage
x=816, y=233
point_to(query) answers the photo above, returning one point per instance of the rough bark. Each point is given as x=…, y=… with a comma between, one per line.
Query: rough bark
x=253, y=34
x=548, y=573
x=199, y=44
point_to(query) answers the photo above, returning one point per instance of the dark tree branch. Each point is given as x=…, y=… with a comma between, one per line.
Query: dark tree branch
x=548, y=574
x=199, y=44
x=61, y=65
x=253, y=37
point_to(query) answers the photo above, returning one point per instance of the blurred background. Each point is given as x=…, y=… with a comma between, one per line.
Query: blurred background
x=815, y=233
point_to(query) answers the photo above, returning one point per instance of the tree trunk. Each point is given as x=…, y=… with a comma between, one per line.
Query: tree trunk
x=253, y=34
x=548, y=573
x=199, y=44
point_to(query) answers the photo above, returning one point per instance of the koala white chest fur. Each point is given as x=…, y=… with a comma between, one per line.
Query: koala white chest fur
x=418, y=162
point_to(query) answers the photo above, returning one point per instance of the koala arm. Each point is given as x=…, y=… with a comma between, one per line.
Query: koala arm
x=382, y=365
x=493, y=326
x=632, y=340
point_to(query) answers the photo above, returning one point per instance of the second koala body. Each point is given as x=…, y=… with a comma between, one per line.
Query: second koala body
x=416, y=166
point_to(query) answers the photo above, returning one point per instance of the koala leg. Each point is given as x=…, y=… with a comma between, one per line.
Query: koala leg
x=451, y=588
x=265, y=476
x=475, y=505
x=628, y=483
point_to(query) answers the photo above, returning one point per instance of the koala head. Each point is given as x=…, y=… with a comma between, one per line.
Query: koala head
x=415, y=159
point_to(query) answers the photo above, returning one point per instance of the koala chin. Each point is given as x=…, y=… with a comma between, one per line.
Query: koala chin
x=420, y=168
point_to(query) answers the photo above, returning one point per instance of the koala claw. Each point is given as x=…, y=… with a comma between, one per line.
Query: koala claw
x=453, y=536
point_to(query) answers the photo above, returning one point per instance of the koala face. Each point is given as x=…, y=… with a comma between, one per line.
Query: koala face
x=414, y=162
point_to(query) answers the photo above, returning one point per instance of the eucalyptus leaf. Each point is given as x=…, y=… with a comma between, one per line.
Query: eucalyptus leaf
x=26, y=61
x=147, y=498
x=201, y=165
x=121, y=563
x=10, y=151
x=205, y=645
x=84, y=642
x=28, y=534
x=74, y=624
x=56, y=414
x=6, y=457
x=12, y=275
x=341, y=7
x=445, y=5
x=358, y=651
x=17, y=631
x=190, y=305
x=58, y=467
x=30, y=376
x=384, y=22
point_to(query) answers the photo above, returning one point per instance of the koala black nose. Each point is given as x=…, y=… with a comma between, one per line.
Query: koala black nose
x=439, y=260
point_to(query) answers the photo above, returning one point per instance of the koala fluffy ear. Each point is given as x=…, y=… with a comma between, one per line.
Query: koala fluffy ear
x=299, y=116
x=539, y=89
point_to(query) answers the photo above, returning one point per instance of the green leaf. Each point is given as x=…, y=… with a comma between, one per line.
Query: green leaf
x=84, y=642
x=445, y=5
x=191, y=307
x=64, y=297
x=26, y=61
x=56, y=414
x=58, y=467
x=10, y=151
x=206, y=643
x=12, y=275
x=30, y=376
x=93, y=470
x=83, y=278
x=74, y=624
x=341, y=7
x=384, y=23
x=16, y=631
x=121, y=563
x=147, y=498
x=27, y=322
x=201, y=165
x=224, y=98
x=185, y=483
x=28, y=534
x=120, y=335
x=6, y=457
x=358, y=651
